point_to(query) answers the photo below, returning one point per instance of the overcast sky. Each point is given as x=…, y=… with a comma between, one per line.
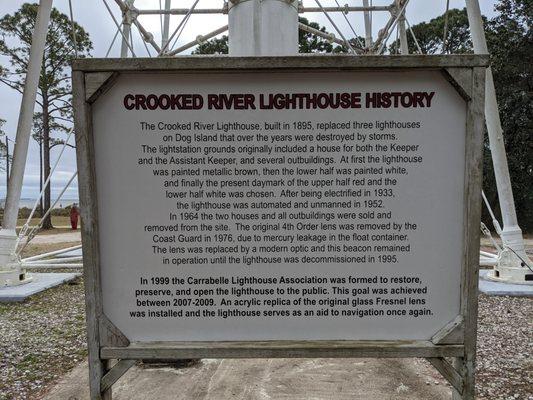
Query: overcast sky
x=93, y=16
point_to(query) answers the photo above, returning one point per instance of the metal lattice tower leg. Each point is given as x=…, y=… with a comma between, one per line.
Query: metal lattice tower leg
x=511, y=261
x=10, y=270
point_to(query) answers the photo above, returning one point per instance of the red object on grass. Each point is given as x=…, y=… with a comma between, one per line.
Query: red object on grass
x=74, y=214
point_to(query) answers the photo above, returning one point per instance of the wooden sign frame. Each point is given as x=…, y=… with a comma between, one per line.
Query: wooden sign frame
x=110, y=352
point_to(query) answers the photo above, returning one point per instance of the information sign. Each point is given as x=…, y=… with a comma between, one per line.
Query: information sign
x=304, y=199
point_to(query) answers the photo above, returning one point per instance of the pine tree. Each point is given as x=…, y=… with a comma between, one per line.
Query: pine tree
x=63, y=41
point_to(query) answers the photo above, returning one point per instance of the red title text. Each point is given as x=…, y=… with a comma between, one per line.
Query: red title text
x=278, y=101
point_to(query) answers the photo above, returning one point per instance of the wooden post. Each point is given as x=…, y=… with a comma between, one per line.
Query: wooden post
x=473, y=180
x=89, y=215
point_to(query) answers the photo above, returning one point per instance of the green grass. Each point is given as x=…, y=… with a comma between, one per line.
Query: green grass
x=56, y=221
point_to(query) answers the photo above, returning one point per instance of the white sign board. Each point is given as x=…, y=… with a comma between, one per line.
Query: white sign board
x=285, y=206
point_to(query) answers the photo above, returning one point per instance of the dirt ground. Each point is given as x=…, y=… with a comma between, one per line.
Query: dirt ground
x=276, y=379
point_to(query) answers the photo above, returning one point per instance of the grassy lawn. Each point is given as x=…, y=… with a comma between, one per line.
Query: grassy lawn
x=39, y=248
x=57, y=230
x=56, y=221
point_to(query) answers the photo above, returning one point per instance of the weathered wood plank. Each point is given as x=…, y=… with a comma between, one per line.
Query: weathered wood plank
x=89, y=233
x=115, y=373
x=82, y=120
x=94, y=81
x=458, y=364
x=448, y=372
x=307, y=62
x=97, y=83
x=110, y=335
x=472, y=217
x=451, y=333
x=461, y=80
x=281, y=349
